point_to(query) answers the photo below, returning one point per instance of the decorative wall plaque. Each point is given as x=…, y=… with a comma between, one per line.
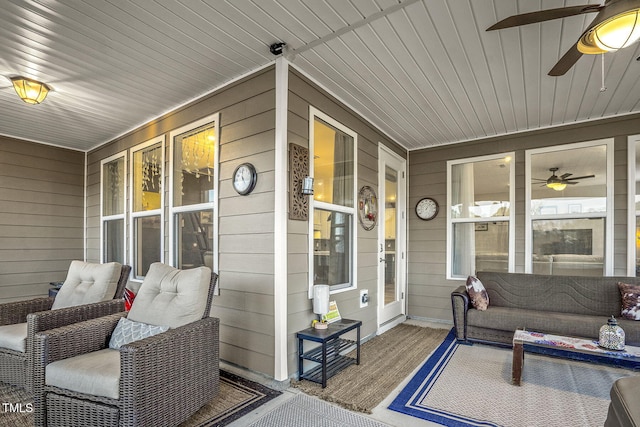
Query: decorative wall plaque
x=367, y=208
x=298, y=169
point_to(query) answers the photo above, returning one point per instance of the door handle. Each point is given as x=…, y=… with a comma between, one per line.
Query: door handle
x=383, y=260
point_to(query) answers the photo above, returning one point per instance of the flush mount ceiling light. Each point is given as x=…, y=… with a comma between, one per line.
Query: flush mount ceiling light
x=29, y=90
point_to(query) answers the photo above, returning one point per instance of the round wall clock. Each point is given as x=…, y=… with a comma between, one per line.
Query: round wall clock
x=245, y=178
x=367, y=208
x=427, y=208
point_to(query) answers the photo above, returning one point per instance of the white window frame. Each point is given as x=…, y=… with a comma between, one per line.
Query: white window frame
x=213, y=205
x=313, y=204
x=632, y=213
x=507, y=218
x=123, y=215
x=608, y=215
x=142, y=214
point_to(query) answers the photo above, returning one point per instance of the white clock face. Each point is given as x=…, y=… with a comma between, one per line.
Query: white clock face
x=244, y=179
x=427, y=209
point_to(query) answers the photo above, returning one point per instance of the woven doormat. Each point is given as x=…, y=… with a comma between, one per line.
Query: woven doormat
x=385, y=361
x=237, y=397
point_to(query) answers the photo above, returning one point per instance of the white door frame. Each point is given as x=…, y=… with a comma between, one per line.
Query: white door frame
x=388, y=317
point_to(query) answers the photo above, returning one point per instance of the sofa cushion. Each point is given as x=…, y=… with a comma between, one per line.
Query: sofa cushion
x=96, y=373
x=598, y=296
x=477, y=293
x=14, y=337
x=171, y=297
x=127, y=331
x=630, y=295
x=88, y=283
x=509, y=320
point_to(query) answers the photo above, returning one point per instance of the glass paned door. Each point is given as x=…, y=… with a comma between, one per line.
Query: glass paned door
x=391, y=246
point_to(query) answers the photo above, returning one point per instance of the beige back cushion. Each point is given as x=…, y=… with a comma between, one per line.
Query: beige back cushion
x=88, y=283
x=171, y=297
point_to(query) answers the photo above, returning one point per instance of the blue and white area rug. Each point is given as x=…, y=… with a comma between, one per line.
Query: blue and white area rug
x=470, y=385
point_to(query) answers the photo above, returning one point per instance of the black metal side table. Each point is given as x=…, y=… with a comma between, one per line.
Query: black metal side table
x=329, y=354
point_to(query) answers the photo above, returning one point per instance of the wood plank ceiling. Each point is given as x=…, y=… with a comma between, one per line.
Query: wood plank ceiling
x=424, y=71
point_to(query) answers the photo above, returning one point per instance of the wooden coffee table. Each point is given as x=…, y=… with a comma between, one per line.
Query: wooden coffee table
x=569, y=347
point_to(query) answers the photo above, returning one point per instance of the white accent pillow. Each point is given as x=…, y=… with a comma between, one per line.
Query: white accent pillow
x=127, y=331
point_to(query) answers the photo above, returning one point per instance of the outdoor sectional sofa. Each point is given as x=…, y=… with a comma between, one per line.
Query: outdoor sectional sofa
x=563, y=305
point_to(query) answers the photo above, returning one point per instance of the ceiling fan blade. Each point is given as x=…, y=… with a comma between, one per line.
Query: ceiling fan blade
x=566, y=62
x=565, y=175
x=544, y=15
x=570, y=183
x=581, y=177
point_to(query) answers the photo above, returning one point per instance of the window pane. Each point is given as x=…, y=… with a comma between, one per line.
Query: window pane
x=147, y=244
x=480, y=189
x=569, y=181
x=569, y=247
x=114, y=241
x=480, y=246
x=332, y=247
x=193, y=163
x=147, y=178
x=333, y=165
x=194, y=237
x=113, y=187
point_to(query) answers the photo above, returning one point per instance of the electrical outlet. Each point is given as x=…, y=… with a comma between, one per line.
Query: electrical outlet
x=364, y=298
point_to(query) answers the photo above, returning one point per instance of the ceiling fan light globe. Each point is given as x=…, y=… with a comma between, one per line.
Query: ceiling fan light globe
x=557, y=185
x=615, y=33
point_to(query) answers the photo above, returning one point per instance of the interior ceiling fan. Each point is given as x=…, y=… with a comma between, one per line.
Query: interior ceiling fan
x=616, y=25
x=559, y=183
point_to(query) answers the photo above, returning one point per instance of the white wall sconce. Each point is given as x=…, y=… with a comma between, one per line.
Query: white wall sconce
x=307, y=186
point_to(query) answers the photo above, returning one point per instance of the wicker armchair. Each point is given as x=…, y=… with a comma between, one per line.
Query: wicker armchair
x=160, y=380
x=21, y=320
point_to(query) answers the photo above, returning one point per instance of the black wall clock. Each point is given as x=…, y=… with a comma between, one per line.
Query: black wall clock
x=245, y=178
x=427, y=208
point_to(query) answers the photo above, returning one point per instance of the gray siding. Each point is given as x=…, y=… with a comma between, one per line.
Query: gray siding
x=429, y=290
x=303, y=93
x=41, y=216
x=247, y=122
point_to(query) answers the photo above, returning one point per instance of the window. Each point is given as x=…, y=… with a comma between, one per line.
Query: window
x=480, y=215
x=333, y=250
x=112, y=197
x=569, y=203
x=147, y=160
x=633, y=250
x=193, y=194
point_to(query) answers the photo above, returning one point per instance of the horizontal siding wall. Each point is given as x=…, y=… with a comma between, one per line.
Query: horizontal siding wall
x=41, y=216
x=246, y=259
x=302, y=94
x=429, y=290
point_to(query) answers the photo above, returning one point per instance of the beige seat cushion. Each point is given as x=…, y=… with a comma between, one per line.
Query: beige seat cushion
x=14, y=337
x=96, y=373
x=171, y=297
x=88, y=283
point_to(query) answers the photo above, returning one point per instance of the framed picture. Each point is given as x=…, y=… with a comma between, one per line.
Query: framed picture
x=482, y=226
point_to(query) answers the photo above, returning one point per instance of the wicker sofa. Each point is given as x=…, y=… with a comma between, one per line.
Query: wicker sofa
x=564, y=305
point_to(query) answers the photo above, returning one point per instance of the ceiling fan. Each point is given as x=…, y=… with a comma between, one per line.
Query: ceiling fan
x=617, y=25
x=559, y=183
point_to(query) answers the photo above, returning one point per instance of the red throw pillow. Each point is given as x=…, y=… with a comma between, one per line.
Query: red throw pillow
x=129, y=296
